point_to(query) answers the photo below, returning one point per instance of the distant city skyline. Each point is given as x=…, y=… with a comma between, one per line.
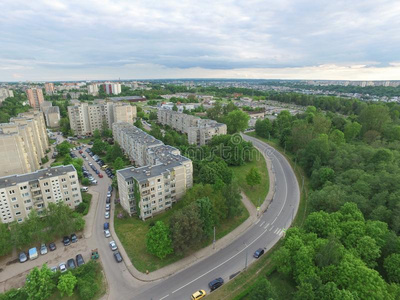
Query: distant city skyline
x=105, y=40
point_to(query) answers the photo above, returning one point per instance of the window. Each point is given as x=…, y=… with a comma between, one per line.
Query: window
x=18, y=213
x=72, y=176
x=67, y=199
x=45, y=184
x=16, y=205
x=13, y=199
x=28, y=201
x=158, y=180
x=23, y=187
x=12, y=192
x=19, y=220
x=63, y=179
x=29, y=208
x=48, y=197
x=65, y=186
x=47, y=191
x=74, y=189
x=25, y=194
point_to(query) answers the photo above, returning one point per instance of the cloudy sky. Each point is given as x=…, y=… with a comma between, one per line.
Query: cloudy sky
x=127, y=39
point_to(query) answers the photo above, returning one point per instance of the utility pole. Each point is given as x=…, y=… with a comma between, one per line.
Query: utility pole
x=302, y=184
x=214, y=239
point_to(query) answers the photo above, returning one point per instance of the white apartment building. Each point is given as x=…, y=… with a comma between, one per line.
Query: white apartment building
x=199, y=131
x=51, y=114
x=93, y=89
x=5, y=93
x=161, y=178
x=86, y=118
x=23, y=143
x=112, y=88
x=19, y=194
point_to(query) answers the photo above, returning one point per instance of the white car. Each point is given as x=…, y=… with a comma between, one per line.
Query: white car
x=113, y=246
x=108, y=206
x=43, y=249
x=54, y=269
x=63, y=267
x=90, y=164
x=107, y=233
x=107, y=215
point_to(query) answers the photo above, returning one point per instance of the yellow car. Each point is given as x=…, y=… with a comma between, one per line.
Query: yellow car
x=199, y=295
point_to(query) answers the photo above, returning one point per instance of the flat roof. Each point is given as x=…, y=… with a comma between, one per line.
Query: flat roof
x=42, y=174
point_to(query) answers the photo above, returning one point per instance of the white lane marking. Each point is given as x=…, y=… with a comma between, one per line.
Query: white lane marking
x=258, y=221
x=262, y=224
x=272, y=227
x=164, y=297
x=279, y=232
x=265, y=227
x=286, y=190
x=276, y=230
x=216, y=267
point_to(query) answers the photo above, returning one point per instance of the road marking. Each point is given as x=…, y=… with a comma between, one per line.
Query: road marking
x=271, y=228
x=258, y=221
x=265, y=227
x=279, y=232
x=262, y=224
x=164, y=297
x=286, y=190
x=276, y=230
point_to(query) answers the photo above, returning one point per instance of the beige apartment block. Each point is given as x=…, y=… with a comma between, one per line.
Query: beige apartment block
x=199, y=131
x=51, y=114
x=19, y=194
x=35, y=97
x=162, y=178
x=5, y=93
x=86, y=118
x=49, y=88
x=23, y=143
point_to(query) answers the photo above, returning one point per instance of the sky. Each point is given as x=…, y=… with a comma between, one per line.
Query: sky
x=52, y=40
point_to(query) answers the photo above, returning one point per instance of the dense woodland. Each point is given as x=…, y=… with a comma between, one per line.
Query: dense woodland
x=349, y=247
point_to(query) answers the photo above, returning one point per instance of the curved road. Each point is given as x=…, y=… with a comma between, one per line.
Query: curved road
x=265, y=233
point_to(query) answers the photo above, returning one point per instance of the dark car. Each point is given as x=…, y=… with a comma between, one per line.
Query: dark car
x=97, y=172
x=258, y=253
x=74, y=238
x=52, y=246
x=216, y=283
x=71, y=263
x=90, y=143
x=106, y=225
x=79, y=260
x=66, y=241
x=117, y=256
x=110, y=188
x=108, y=200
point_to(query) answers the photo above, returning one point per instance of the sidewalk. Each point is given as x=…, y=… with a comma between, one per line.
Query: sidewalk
x=207, y=251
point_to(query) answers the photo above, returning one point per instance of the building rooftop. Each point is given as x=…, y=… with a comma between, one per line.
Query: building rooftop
x=40, y=174
x=128, y=98
x=138, y=134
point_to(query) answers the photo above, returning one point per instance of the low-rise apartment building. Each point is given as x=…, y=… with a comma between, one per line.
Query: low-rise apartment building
x=86, y=118
x=23, y=143
x=5, y=93
x=199, y=131
x=19, y=194
x=51, y=114
x=161, y=177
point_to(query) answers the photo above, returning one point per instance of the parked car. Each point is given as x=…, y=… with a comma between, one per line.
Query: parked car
x=108, y=206
x=100, y=175
x=199, y=295
x=106, y=225
x=52, y=246
x=66, y=241
x=79, y=260
x=80, y=151
x=22, y=257
x=43, y=249
x=90, y=164
x=110, y=188
x=216, y=283
x=258, y=253
x=33, y=254
x=71, y=263
x=108, y=194
x=117, y=257
x=107, y=215
x=113, y=246
x=84, y=189
x=94, y=181
x=74, y=238
x=54, y=269
x=108, y=200
x=107, y=233
x=62, y=267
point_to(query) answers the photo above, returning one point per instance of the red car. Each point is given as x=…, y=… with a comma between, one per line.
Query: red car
x=80, y=151
x=100, y=175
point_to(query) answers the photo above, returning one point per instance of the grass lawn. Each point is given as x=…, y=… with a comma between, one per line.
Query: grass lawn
x=132, y=234
x=256, y=193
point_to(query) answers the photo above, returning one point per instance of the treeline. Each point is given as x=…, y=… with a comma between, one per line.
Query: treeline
x=55, y=221
x=83, y=283
x=12, y=106
x=356, y=160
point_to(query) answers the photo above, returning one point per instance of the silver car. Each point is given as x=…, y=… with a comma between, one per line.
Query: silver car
x=107, y=233
x=43, y=249
x=107, y=215
x=113, y=246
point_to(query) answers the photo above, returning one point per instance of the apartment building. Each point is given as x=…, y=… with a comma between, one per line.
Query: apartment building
x=23, y=143
x=49, y=88
x=199, y=131
x=93, y=89
x=86, y=118
x=5, y=93
x=19, y=194
x=35, y=97
x=161, y=177
x=51, y=114
x=112, y=88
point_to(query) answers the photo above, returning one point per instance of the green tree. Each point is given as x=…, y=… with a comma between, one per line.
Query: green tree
x=263, y=128
x=153, y=116
x=99, y=147
x=59, y=219
x=119, y=164
x=158, y=240
x=97, y=134
x=236, y=121
x=66, y=284
x=63, y=148
x=39, y=284
x=175, y=108
x=351, y=131
x=392, y=267
x=206, y=215
x=262, y=290
x=374, y=117
x=85, y=181
x=253, y=177
x=5, y=240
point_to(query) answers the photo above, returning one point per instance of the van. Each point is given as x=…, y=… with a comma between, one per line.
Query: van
x=84, y=189
x=104, y=167
x=33, y=254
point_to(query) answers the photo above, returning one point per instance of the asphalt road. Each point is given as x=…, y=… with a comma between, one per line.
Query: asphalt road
x=265, y=233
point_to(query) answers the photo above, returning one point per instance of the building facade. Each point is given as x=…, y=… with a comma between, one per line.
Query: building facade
x=86, y=118
x=199, y=131
x=51, y=114
x=112, y=88
x=93, y=89
x=5, y=93
x=161, y=177
x=49, y=88
x=19, y=194
x=35, y=97
x=23, y=143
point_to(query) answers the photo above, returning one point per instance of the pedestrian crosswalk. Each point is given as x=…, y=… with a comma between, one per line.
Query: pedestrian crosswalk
x=275, y=230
